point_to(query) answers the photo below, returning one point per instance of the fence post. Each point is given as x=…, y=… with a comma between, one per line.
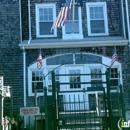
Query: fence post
x=108, y=98
x=1, y=103
x=54, y=99
x=46, y=108
x=122, y=102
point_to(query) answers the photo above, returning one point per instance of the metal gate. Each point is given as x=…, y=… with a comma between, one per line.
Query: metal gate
x=87, y=108
x=76, y=114
x=90, y=108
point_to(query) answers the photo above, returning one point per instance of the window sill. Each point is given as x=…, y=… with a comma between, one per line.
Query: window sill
x=72, y=36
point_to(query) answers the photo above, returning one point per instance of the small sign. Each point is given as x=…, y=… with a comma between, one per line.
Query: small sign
x=29, y=111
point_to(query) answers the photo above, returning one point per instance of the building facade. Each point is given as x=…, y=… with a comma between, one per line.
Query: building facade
x=83, y=45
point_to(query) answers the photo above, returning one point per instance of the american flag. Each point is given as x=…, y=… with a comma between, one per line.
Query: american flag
x=63, y=15
x=39, y=61
x=114, y=56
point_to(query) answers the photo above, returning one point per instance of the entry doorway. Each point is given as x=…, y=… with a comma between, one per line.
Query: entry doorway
x=74, y=77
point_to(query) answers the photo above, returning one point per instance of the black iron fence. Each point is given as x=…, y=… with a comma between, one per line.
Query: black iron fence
x=89, y=108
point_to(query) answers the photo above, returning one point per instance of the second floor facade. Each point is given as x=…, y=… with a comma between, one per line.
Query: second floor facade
x=91, y=21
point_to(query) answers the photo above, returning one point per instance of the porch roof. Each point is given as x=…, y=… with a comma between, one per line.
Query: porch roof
x=86, y=42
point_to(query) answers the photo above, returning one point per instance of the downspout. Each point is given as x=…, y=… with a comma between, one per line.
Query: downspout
x=24, y=81
x=20, y=21
x=29, y=22
x=123, y=20
x=128, y=23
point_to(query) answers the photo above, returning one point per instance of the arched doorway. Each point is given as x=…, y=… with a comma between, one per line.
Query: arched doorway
x=71, y=63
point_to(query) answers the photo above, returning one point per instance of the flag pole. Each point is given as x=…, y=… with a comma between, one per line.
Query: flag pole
x=73, y=16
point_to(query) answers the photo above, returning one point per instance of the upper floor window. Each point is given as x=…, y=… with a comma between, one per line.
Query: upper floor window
x=45, y=15
x=73, y=26
x=97, y=18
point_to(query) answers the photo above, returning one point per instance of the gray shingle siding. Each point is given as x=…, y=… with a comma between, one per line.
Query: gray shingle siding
x=10, y=55
x=11, y=58
x=113, y=12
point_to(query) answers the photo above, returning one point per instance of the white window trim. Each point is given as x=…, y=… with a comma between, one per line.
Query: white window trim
x=30, y=93
x=37, y=6
x=103, y=4
x=74, y=36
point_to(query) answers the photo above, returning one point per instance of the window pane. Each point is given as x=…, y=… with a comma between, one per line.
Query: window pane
x=113, y=82
x=37, y=75
x=113, y=72
x=37, y=85
x=75, y=79
x=101, y=16
x=97, y=26
x=48, y=14
x=96, y=13
x=50, y=17
x=87, y=59
x=92, y=101
x=101, y=9
x=45, y=28
x=96, y=77
x=96, y=83
x=95, y=73
x=91, y=10
x=58, y=60
x=75, y=14
x=45, y=17
x=45, y=11
x=96, y=10
x=113, y=77
x=50, y=11
x=40, y=11
x=92, y=16
x=41, y=18
x=72, y=27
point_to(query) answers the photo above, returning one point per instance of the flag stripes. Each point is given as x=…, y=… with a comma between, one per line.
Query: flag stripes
x=39, y=61
x=114, y=56
x=63, y=15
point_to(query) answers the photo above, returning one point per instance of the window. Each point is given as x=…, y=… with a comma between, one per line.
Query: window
x=113, y=77
x=75, y=79
x=37, y=81
x=96, y=77
x=97, y=18
x=45, y=15
x=73, y=26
